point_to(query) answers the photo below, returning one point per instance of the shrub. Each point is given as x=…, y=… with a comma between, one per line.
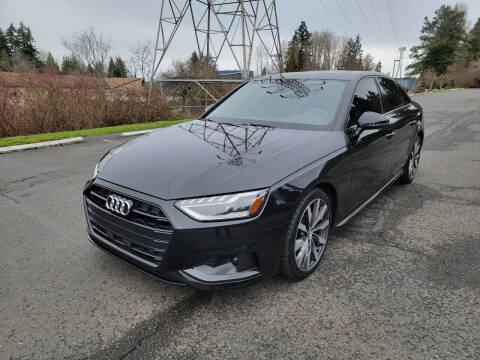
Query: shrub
x=49, y=108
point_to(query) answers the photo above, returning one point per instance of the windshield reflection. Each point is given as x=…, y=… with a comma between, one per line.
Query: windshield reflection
x=235, y=141
x=294, y=85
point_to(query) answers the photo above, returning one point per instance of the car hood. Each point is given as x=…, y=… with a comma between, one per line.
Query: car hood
x=201, y=158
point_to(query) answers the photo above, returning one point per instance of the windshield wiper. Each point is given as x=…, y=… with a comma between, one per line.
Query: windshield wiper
x=259, y=125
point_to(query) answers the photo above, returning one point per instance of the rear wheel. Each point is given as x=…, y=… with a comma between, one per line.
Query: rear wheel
x=307, y=236
x=411, y=166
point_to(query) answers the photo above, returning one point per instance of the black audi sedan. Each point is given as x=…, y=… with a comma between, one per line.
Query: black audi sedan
x=257, y=184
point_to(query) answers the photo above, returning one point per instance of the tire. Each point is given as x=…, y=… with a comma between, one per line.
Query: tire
x=301, y=238
x=411, y=167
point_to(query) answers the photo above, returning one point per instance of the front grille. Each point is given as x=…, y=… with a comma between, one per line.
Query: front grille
x=142, y=213
x=145, y=232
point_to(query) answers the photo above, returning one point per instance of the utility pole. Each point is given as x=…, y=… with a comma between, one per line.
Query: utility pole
x=395, y=61
x=400, y=61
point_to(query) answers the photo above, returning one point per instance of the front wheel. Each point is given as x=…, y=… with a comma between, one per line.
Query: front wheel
x=307, y=236
x=411, y=166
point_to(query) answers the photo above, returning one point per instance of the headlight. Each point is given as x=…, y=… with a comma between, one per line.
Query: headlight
x=224, y=207
x=95, y=171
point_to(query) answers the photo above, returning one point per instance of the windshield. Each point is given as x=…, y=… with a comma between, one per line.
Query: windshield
x=283, y=101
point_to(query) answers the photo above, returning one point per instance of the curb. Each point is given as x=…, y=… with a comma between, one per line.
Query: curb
x=9, y=149
x=434, y=91
x=135, y=133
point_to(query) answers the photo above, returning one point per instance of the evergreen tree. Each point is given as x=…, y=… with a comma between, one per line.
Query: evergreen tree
x=195, y=66
x=51, y=65
x=26, y=45
x=3, y=43
x=305, y=46
x=351, y=56
x=111, y=68
x=194, y=59
x=97, y=70
x=11, y=39
x=207, y=66
x=120, y=68
x=19, y=46
x=116, y=68
x=440, y=40
x=4, y=58
x=299, y=53
x=291, y=64
x=71, y=65
x=474, y=41
x=378, y=67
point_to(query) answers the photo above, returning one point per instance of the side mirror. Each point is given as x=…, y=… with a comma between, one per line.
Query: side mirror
x=208, y=107
x=372, y=120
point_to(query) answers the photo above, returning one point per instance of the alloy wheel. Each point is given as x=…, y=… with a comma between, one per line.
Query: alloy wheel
x=312, y=234
x=414, y=159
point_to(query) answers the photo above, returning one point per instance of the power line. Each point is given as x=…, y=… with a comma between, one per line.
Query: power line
x=347, y=17
x=371, y=29
x=378, y=23
x=392, y=17
x=333, y=17
x=355, y=28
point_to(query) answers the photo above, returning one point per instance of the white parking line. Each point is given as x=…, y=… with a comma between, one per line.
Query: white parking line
x=135, y=133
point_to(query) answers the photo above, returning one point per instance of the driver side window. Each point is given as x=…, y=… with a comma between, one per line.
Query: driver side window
x=366, y=98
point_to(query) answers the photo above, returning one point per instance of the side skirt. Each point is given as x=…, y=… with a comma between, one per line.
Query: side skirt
x=357, y=210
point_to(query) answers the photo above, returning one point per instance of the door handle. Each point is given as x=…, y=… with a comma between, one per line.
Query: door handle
x=389, y=135
x=413, y=123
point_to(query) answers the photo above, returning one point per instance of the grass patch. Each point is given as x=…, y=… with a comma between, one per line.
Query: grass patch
x=30, y=139
x=433, y=91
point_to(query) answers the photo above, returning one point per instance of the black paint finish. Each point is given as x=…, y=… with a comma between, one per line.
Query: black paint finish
x=203, y=157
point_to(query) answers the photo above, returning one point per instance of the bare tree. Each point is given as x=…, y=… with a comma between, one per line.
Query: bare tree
x=367, y=63
x=141, y=59
x=327, y=47
x=263, y=62
x=91, y=48
x=284, y=51
x=338, y=49
x=20, y=63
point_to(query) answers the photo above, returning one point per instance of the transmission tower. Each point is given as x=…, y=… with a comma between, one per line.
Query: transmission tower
x=400, y=62
x=220, y=25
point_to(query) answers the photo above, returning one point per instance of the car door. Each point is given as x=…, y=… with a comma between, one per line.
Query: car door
x=401, y=114
x=369, y=150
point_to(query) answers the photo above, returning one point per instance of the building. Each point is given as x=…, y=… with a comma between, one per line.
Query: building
x=234, y=74
x=408, y=83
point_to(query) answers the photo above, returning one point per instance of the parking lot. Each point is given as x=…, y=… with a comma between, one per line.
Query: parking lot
x=401, y=280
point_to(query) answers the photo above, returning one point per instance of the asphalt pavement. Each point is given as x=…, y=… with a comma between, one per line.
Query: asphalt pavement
x=401, y=280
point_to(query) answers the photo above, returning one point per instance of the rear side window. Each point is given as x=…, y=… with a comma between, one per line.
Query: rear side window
x=391, y=94
x=406, y=99
x=366, y=98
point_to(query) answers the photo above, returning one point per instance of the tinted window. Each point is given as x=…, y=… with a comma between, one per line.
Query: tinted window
x=274, y=101
x=406, y=99
x=366, y=98
x=391, y=95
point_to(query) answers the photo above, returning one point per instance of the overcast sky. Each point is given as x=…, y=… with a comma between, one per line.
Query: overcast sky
x=384, y=25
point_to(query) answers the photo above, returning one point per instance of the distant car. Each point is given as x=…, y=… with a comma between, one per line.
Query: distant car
x=256, y=185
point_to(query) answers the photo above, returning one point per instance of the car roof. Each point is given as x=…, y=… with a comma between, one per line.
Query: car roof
x=347, y=75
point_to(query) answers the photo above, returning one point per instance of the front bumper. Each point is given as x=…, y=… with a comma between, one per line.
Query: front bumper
x=203, y=255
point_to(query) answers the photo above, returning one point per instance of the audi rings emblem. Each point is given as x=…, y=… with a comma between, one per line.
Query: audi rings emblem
x=119, y=205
